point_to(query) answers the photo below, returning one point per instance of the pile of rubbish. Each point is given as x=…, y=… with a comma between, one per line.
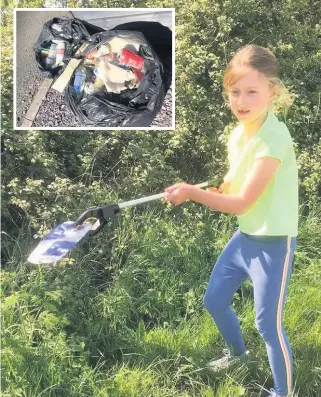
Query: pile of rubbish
x=110, y=78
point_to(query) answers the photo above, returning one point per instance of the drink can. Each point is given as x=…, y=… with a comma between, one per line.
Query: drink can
x=60, y=52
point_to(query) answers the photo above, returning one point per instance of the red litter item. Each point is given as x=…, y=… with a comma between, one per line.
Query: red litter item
x=138, y=73
x=132, y=60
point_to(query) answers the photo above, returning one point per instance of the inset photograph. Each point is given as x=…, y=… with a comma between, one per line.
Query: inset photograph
x=94, y=69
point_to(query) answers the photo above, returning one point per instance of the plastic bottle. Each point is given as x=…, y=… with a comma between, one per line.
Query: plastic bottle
x=51, y=58
x=80, y=79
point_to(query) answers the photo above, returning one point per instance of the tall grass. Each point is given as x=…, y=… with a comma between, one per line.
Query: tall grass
x=124, y=315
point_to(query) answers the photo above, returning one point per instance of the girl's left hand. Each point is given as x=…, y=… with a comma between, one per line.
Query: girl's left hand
x=179, y=192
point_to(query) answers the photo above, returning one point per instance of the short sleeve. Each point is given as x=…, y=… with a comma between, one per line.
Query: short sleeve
x=276, y=148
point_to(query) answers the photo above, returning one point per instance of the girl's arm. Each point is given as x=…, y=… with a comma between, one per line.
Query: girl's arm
x=255, y=184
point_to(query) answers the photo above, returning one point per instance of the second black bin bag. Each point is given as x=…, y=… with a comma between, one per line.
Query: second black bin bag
x=132, y=107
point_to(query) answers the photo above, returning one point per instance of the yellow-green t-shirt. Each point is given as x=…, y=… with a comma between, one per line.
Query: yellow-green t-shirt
x=275, y=213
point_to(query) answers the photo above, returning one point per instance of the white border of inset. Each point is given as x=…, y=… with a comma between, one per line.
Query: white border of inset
x=91, y=128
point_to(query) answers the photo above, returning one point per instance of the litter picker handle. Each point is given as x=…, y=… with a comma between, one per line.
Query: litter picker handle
x=150, y=198
x=104, y=214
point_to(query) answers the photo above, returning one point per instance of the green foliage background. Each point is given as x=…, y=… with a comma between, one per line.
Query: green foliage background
x=128, y=304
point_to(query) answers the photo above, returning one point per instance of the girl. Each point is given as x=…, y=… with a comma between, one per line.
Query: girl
x=261, y=188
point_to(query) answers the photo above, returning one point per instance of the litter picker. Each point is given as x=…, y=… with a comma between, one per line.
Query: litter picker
x=64, y=237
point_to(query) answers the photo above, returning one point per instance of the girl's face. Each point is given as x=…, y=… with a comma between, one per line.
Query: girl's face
x=250, y=96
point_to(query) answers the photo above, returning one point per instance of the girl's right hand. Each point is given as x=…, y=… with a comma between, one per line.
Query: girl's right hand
x=223, y=188
x=213, y=189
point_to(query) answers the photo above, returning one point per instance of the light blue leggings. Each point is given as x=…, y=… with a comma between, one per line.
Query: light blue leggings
x=268, y=262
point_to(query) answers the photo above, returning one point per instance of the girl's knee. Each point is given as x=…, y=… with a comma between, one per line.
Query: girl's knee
x=212, y=302
x=267, y=327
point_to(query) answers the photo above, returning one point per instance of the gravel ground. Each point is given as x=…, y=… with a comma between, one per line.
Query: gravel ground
x=164, y=117
x=24, y=100
x=54, y=113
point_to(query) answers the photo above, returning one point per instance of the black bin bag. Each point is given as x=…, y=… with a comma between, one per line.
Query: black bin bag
x=72, y=31
x=132, y=107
